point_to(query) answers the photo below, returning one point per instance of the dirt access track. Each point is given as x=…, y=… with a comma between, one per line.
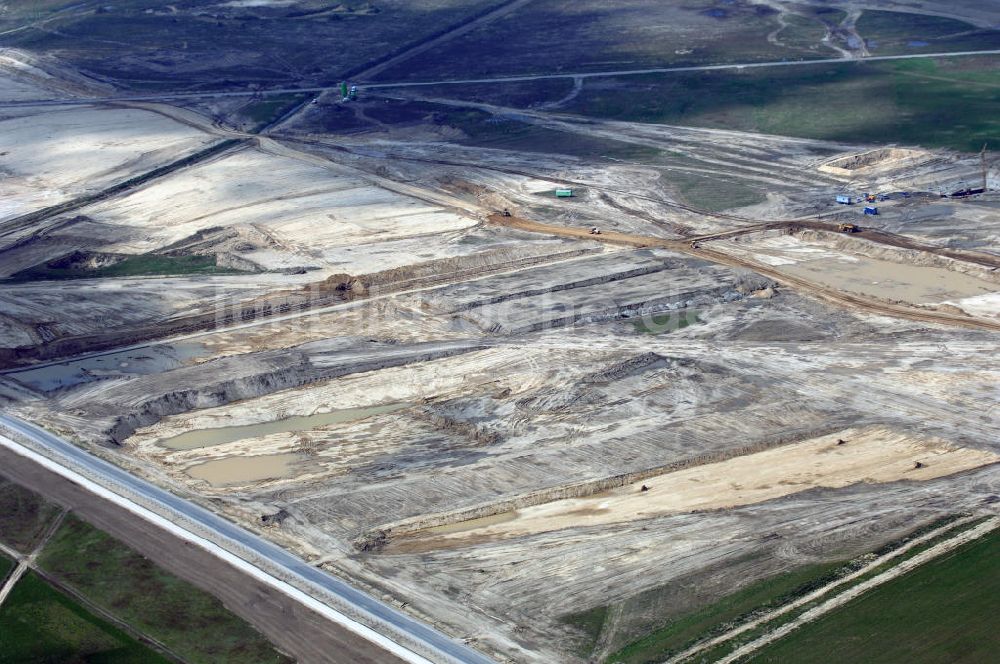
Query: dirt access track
x=292, y=627
x=693, y=248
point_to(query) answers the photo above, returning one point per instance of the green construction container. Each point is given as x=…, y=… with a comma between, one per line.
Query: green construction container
x=343, y=89
x=564, y=193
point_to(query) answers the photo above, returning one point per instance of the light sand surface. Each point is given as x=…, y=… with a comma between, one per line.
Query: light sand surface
x=304, y=208
x=870, y=455
x=828, y=266
x=916, y=284
x=51, y=156
x=986, y=305
x=12, y=89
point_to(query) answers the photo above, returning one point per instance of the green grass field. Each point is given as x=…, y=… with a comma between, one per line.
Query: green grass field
x=949, y=103
x=23, y=516
x=946, y=611
x=38, y=624
x=222, y=45
x=891, y=33
x=485, y=132
x=590, y=623
x=509, y=132
x=666, y=322
x=592, y=35
x=651, y=628
x=712, y=193
x=187, y=620
x=686, y=629
x=267, y=110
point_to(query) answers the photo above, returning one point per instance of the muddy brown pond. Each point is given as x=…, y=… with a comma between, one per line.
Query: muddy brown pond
x=191, y=440
x=245, y=469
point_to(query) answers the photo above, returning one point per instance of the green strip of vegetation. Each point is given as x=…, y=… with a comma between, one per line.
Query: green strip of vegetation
x=589, y=622
x=758, y=598
x=6, y=565
x=946, y=611
x=748, y=636
x=270, y=109
x=666, y=322
x=187, y=620
x=40, y=624
x=24, y=515
x=687, y=629
x=133, y=266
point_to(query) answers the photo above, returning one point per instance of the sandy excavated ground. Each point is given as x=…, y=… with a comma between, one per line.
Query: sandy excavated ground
x=34, y=311
x=13, y=89
x=886, y=274
x=553, y=408
x=50, y=155
x=533, y=381
x=306, y=211
x=871, y=455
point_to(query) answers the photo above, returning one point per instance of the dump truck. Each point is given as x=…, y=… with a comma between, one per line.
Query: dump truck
x=848, y=228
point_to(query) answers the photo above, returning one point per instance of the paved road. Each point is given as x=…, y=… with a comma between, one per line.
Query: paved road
x=387, y=620
x=167, y=96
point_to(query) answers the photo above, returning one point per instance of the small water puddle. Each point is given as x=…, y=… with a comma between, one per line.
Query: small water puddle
x=244, y=470
x=192, y=440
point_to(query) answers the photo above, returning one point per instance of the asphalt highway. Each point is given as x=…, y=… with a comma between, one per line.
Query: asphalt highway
x=386, y=620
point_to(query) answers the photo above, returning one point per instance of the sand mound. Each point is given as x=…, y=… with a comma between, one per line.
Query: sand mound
x=872, y=160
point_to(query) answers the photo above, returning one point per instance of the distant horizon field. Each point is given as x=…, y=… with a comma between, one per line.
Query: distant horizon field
x=550, y=36
x=926, y=102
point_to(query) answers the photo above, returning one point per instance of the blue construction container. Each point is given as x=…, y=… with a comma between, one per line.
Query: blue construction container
x=871, y=210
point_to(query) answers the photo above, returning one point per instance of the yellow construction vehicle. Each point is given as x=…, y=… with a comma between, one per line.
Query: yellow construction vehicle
x=848, y=228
